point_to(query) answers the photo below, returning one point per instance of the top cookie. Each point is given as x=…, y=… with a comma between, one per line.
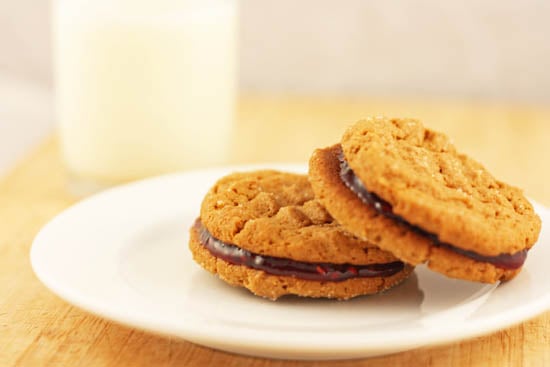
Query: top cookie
x=275, y=213
x=432, y=186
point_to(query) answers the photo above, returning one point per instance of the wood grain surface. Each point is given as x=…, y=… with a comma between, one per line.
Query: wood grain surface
x=39, y=329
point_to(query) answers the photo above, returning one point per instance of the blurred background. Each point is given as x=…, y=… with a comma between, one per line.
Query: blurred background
x=474, y=51
x=486, y=49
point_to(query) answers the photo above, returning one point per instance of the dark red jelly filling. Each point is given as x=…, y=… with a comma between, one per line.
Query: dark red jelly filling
x=505, y=261
x=302, y=270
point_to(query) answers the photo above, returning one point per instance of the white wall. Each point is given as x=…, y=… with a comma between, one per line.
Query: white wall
x=479, y=48
x=24, y=39
x=490, y=49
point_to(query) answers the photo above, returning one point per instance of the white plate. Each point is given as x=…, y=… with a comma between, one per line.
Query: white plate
x=123, y=255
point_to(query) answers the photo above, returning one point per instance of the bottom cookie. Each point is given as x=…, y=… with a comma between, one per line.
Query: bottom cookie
x=271, y=286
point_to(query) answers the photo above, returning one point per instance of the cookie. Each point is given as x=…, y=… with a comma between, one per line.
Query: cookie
x=408, y=190
x=265, y=231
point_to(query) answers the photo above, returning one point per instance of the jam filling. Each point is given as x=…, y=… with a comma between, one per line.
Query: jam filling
x=286, y=267
x=504, y=261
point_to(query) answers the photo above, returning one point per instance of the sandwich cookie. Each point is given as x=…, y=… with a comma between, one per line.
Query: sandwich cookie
x=264, y=231
x=406, y=188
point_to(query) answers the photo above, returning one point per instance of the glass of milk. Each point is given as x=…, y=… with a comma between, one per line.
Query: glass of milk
x=143, y=87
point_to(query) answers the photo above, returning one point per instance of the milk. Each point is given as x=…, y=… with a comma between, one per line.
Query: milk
x=143, y=87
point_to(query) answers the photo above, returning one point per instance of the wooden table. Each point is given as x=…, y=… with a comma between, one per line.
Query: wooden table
x=39, y=329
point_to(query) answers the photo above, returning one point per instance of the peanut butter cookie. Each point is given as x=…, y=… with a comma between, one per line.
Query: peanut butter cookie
x=265, y=231
x=406, y=188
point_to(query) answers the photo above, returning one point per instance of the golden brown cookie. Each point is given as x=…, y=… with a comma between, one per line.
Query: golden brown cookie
x=265, y=231
x=407, y=189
